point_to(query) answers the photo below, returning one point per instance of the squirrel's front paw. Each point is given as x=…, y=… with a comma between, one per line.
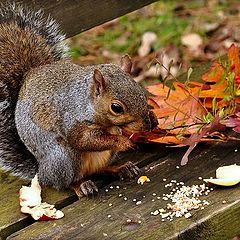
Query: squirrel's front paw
x=85, y=188
x=128, y=170
x=123, y=144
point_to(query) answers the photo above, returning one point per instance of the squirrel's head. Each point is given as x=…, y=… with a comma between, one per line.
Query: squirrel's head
x=118, y=99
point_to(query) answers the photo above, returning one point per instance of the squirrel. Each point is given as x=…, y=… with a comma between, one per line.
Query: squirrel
x=59, y=120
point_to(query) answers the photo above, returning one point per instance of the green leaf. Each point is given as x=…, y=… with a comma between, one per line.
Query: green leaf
x=189, y=73
x=214, y=105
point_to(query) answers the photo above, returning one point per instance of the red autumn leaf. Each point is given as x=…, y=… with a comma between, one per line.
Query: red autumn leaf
x=233, y=59
x=214, y=74
x=190, y=113
x=179, y=108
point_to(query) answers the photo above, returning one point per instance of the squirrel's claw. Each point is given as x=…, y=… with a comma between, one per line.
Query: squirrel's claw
x=128, y=170
x=88, y=188
x=85, y=188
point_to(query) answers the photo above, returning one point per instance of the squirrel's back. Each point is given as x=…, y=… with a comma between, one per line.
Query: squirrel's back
x=28, y=39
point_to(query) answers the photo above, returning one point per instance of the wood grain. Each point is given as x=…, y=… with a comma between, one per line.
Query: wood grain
x=89, y=218
x=76, y=16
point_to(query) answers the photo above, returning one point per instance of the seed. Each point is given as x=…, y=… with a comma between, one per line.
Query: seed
x=155, y=213
x=109, y=216
x=224, y=201
x=120, y=195
x=106, y=190
x=165, y=215
x=138, y=202
x=110, y=204
x=125, y=198
x=188, y=215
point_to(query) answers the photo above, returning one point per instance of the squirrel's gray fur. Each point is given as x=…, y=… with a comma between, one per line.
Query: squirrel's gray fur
x=14, y=156
x=57, y=118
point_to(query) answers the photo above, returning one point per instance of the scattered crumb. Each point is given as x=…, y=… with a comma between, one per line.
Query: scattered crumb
x=110, y=204
x=105, y=234
x=188, y=215
x=177, y=167
x=120, y=195
x=155, y=213
x=106, y=190
x=182, y=199
x=109, y=216
x=138, y=202
x=161, y=210
x=224, y=201
x=125, y=198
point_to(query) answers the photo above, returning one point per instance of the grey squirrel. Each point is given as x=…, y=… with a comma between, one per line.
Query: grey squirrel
x=60, y=120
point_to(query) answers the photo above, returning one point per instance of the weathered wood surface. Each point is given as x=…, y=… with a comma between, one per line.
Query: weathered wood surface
x=77, y=16
x=12, y=220
x=218, y=220
x=88, y=218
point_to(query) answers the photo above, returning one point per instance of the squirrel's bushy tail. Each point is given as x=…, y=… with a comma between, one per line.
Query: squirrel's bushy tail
x=27, y=40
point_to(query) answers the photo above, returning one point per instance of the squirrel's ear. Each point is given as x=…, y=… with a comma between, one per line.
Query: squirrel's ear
x=99, y=82
x=126, y=63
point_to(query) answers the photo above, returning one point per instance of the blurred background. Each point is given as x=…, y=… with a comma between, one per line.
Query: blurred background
x=180, y=33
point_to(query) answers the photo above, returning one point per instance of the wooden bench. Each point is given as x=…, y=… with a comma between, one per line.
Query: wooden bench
x=105, y=215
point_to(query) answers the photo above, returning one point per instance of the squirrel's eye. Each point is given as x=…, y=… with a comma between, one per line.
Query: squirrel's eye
x=117, y=108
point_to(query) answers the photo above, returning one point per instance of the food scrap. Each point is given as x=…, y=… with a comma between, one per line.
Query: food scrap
x=226, y=176
x=182, y=199
x=31, y=203
x=143, y=179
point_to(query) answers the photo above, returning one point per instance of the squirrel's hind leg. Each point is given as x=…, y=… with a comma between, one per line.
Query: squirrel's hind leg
x=56, y=169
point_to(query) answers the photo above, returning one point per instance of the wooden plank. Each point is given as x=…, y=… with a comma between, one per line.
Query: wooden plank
x=90, y=218
x=77, y=16
x=12, y=220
